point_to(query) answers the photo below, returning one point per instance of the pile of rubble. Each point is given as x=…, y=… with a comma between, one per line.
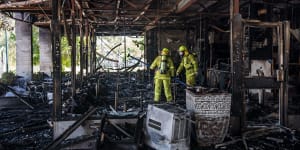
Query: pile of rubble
x=23, y=128
x=121, y=96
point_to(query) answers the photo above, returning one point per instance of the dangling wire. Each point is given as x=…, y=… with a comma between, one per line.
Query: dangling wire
x=124, y=35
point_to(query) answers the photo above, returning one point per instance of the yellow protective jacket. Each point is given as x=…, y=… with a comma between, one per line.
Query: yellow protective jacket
x=155, y=65
x=190, y=65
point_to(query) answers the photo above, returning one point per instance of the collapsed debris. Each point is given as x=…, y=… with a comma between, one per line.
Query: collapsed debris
x=30, y=129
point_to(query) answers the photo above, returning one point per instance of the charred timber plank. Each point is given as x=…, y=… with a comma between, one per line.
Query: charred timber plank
x=81, y=49
x=120, y=129
x=73, y=54
x=56, y=53
x=26, y=9
x=86, y=46
x=183, y=5
x=29, y=2
x=17, y=95
x=287, y=36
x=70, y=130
x=148, y=3
x=237, y=76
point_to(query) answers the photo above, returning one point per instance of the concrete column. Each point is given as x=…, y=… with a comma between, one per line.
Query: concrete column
x=45, y=51
x=23, y=49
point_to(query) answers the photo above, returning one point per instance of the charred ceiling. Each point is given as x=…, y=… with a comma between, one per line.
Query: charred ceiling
x=134, y=17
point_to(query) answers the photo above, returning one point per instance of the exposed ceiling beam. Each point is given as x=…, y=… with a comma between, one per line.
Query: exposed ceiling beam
x=22, y=3
x=125, y=9
x=152, y=24
x=148, y=3
x=183, y=5
x=80, y=8
x=25, y=9
x=131, y=4
x=117, y=11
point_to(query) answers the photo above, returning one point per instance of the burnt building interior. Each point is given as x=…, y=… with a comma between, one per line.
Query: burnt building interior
x=247, y=83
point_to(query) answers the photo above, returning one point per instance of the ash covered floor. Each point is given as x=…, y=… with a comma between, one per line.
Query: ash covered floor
x=25, y=128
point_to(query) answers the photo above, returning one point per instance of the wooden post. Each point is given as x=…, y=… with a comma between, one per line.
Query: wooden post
x=86, y=46
x=56, y=55
x=73, y=53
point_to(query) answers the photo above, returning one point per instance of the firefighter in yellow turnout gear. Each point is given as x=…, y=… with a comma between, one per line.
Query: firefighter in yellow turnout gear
x=190, y=65
x=164, y=71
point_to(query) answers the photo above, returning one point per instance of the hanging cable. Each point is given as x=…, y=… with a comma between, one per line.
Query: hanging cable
x=124, y=35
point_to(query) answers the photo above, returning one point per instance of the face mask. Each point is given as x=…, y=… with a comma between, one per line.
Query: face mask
x=181, y=53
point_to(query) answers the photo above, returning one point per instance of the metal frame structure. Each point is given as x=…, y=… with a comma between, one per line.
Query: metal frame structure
x=241, y=58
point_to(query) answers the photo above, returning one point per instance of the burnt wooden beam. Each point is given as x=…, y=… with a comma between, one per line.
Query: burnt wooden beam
x=286, y=54
x=73, y=53
x=47, y=23
x=110, y=10
x=53, y=145
x=152, y=24
x=86, y=51
x=117, y=11
x=22, y=3
x=16, y=94
x=93, y=50
x=81, y=49
x=131, y=4
x=237, y=107
x=184, y=4
x=66, y=27
x=147, y=5
x=56, y=54
x=26, y=9
x=80, y=8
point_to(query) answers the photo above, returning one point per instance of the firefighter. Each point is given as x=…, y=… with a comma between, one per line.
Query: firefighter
x=189, y=63
x=164, y=70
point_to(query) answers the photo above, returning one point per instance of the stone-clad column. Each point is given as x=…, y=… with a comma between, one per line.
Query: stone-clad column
x=45, y=51
x=23, y=49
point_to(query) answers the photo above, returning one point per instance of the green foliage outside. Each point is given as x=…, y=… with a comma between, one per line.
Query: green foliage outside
x=35, y=46
x=65, y=50
x=66, y=53
x=8, y=78
x=11, y=48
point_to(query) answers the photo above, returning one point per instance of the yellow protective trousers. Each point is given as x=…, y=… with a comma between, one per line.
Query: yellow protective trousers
x=166, y=83
x=190, y=79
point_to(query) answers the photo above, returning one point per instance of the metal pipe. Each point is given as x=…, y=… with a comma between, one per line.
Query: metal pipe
x=110, y=52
